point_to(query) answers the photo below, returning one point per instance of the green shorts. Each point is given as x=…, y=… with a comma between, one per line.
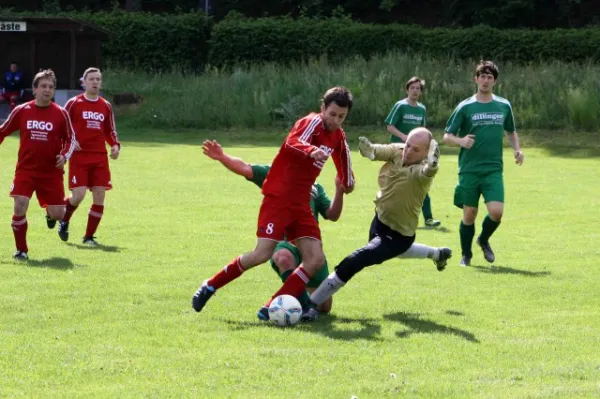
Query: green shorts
x=471, y=185
x=317, y=279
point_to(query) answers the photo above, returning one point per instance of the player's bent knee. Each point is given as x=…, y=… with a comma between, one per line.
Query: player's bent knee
x=469, y=215
x=98, y=194
x=77, y=196
x=56, y=212
x=495, y=210
x=21, y=205
x=284, y=260
x=496, y=215
x=314, y=264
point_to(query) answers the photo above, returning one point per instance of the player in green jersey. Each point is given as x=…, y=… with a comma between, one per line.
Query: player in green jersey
x=406, y=115
x=286, y=256
x=478, y=125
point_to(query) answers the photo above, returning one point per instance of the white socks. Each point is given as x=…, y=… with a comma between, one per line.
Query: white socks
x=420, y=251
x=330, y=286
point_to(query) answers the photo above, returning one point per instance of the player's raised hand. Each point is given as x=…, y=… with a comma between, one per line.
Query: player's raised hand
x=366, y=148
x=319, y=155
x=433, y=157
x=115, y=150
x=519, y=157
x=212, y=149
x=467, y=141
x=60, y=161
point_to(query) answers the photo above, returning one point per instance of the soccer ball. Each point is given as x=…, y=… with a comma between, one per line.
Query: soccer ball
x=285, y=310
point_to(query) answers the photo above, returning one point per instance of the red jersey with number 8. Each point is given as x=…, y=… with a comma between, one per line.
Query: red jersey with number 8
x=293, y=172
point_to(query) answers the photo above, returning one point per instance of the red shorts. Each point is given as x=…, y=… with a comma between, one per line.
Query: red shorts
x=89, y=170
x=279, y=220
x=49, y=190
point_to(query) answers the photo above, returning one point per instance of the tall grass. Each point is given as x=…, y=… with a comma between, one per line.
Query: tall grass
x=544, y=96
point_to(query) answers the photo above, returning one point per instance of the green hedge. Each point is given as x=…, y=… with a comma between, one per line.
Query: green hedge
x=284, y=40
x=155, y=42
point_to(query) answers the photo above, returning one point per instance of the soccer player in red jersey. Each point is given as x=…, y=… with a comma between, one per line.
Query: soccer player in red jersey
x=94, y=122
x=285, y=211
x=47, y=142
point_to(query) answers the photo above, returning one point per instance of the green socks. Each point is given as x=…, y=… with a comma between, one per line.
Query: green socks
x=466, y=239
x=427, y=214
x=487, y=229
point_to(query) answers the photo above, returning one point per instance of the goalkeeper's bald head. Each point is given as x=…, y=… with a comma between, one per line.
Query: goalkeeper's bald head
x=417, y=146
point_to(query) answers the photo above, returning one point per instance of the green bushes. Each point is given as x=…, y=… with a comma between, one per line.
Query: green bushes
x=243, y=41
x=153, y=42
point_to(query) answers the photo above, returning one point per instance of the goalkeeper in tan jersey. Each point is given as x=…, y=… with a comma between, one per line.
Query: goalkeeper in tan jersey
x=404, y=181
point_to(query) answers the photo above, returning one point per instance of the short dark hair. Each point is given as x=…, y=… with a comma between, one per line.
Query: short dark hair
x=45, y=74
x=415, y=79
x=339, y=95
x=487, y=67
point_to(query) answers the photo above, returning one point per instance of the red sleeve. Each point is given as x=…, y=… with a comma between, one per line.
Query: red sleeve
x=299, y=137
x=343, y=162
x=68, y=136
x=110, y=129
x=70, y=103
x=11, y=124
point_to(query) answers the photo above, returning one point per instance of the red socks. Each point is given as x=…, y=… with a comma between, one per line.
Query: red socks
x=94, y=219
x=294, y=285
x=19, y=226
x=227, y=275
x=69, y=211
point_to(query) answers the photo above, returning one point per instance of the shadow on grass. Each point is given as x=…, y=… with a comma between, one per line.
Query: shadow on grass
x=331, y=326
x=454, y=313
x=418, y=325
x=572, y=152
x=510, y=270
x=346, y=329
x=55, y=263
x=99, y=247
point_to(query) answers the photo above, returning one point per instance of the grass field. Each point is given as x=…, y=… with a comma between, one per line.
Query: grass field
x=117, y=322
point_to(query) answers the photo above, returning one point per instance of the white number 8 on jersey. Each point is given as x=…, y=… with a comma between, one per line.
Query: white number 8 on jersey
x=270, y=228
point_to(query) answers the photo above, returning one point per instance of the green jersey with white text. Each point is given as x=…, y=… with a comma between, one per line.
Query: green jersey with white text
x=405, y=118
x=487, y=122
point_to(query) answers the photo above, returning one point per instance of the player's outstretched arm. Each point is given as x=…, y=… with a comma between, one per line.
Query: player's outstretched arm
x=513, y=139
x=213, y=150
x=378, y=152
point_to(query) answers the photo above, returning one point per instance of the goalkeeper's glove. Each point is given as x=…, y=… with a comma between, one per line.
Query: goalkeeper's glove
x=366, y=148
x=433, y=158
